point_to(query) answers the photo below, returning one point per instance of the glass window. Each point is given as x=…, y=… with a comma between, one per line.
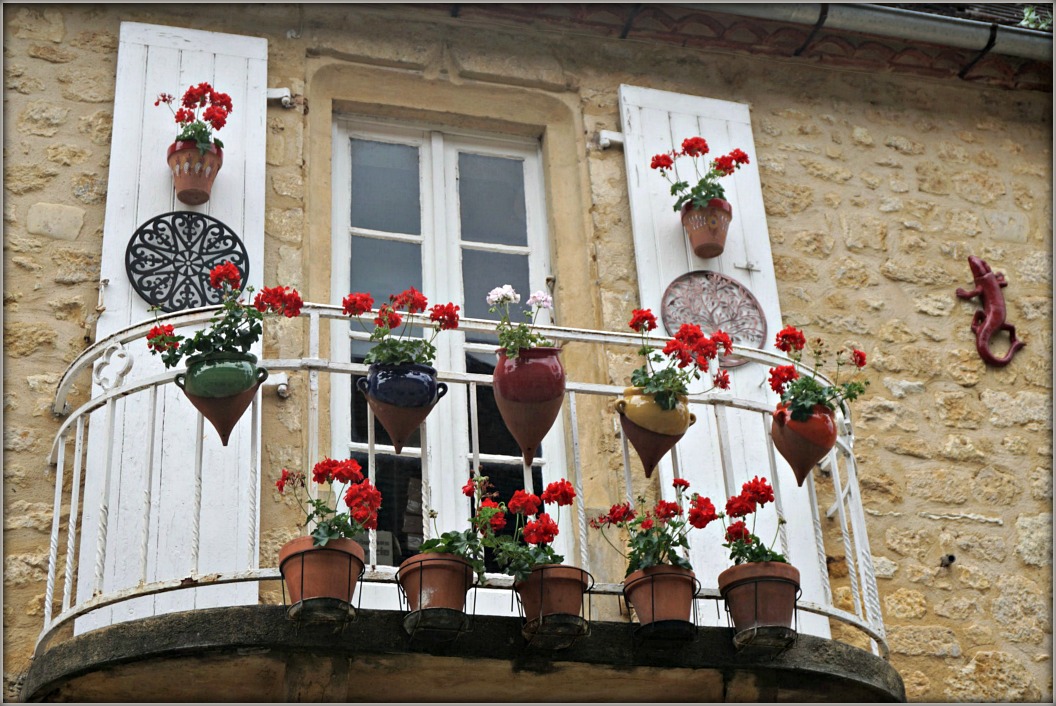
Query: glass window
x=491, y=199
x=384, y=187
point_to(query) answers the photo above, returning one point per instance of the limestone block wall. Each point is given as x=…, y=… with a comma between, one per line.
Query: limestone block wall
x=878, y=186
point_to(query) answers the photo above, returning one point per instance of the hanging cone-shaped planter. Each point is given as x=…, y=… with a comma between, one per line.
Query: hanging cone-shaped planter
x=652, y=431
x=804, y=443
x=707, y=227
x=401, y=397
x=221, y=386
x=529, y=391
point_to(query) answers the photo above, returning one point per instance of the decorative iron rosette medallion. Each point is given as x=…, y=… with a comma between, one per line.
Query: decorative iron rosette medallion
x=169, y=258
x=714, y=301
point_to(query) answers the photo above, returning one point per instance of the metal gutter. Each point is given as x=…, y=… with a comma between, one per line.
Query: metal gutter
x=907, y=25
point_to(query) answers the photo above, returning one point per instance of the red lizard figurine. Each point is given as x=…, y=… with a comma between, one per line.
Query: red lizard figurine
x=991, y=318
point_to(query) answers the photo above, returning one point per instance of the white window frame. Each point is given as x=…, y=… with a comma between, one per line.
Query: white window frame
x=447, y=449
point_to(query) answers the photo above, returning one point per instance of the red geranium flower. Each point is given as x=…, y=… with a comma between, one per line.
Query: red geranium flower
x=161, y=338
x=666, y=510
x=790, y=338
x=363, y=501
x=446, y=315
x=642, y=320
x=542, y=530
x=781, y=376
x=662, y=161
x=694, y=147
x=280, y=300
x=523, y=503
x=738, y=531
x=357, y=303
x=470, y=488
x=387, y=317
x=347, y=471
x=410, y=299
x=680, y=483
x=225, y=273
x=497, y=521
x=647, y=524
x=758, y=490
x=722, y=380
x=560, y=492
x=858, y=358
x=739, y=156
x=740, y=505
x=701, y=512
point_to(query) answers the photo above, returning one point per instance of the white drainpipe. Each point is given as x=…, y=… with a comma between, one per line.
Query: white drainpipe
x=907, y=25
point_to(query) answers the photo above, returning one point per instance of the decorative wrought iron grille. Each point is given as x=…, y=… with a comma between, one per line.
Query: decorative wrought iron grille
x=169, y=257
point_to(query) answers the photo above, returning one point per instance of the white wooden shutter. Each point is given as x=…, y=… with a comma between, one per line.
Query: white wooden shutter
x=155, y=59
x=654, y=122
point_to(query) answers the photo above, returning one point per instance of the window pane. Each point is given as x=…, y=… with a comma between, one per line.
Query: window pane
x=383, y=268
x=491, y=199
x=400, y=518
x=481, y=273
x=385, y=193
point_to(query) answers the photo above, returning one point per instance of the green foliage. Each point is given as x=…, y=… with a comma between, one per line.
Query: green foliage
x=666, y=385
x=1033, y=19
x=199, y=133
x=658, y=545
x=233, y=329
x=465, y=544
x=515, y=336
x=702, y=193
x=393, y=351
x=805, y=392
x=518, y=559
x=747, y=551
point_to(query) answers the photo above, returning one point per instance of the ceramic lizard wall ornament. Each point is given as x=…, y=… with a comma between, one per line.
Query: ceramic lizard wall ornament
x=989, y=320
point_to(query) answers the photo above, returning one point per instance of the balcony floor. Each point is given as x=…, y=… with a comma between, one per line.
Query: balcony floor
x=256, y=654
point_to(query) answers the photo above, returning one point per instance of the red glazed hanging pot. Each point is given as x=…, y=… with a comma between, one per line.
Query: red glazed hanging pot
x=804, y=443
x=760, y=594
x=529, y=391
x=660, y=593
x=651, y=430
x=707, y=227
x=193, y=171
x=435, y=580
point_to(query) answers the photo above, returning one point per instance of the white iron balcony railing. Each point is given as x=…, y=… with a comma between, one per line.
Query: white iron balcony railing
x=108, y=534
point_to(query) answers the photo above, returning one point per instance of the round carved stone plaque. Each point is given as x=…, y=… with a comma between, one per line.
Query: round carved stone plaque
x=714, y=301
x=169, y=258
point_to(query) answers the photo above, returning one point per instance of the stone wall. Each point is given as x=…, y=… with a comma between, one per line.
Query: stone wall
x=877, y=187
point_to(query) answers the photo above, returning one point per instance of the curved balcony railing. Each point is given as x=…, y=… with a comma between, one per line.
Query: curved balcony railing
x=110, y=365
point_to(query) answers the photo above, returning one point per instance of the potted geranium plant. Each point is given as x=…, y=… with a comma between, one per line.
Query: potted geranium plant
x=653, y=411
x=544, y=584
x=440, y=575
x=196, y=155
x=804, y=423
x=706, y=214
x=401, y=385
x=660, y=583
x=222, y=375
x=761, y=587
x=328, y=562
x=529, y=379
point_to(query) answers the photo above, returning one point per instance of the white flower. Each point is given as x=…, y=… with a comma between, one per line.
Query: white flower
x=502, y=295
x=541, y=300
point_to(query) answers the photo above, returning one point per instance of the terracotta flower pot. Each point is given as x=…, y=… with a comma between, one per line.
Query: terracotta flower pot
x=193, y=172
x=707, y=227
x=401, y=397
x=221, y=386
x=760, y=594
x=529, y=391
x=553, y=589
x=804, y=443
x=435, y=580
x=660, y=593
x=651, y=430
x=331, y=571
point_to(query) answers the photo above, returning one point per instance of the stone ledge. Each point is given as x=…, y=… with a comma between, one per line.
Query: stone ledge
x=256, y=653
